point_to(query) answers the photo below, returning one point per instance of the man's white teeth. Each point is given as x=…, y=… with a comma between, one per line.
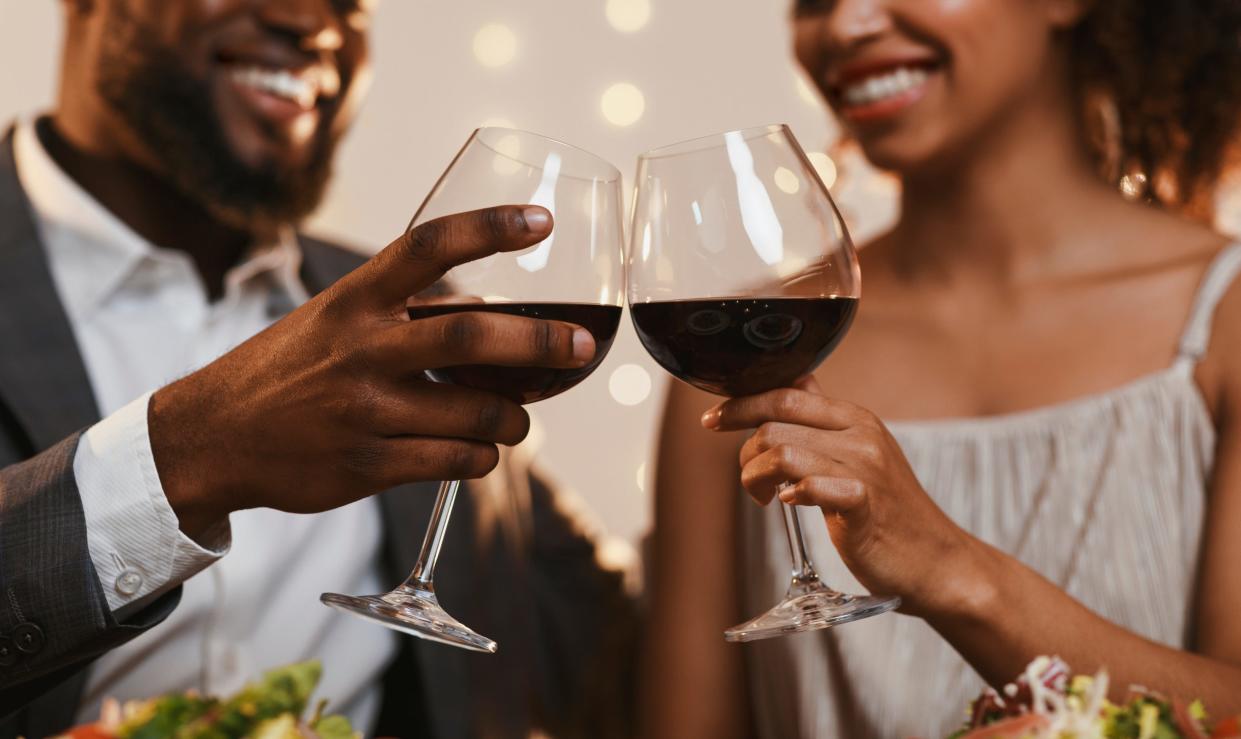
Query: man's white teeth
x=279, y=82
x=883, y=86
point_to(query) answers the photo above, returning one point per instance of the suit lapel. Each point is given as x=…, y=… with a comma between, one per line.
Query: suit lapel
x=43, y=380
x=42, y=376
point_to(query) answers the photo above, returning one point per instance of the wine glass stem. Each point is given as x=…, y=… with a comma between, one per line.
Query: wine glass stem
x=803, y=570
x=424, y=572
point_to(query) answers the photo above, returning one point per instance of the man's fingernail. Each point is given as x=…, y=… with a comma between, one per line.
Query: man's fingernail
x=537, y=219
x=583, y=345
x=711, y=419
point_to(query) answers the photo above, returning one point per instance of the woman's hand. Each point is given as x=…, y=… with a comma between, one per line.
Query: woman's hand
x=841, y=458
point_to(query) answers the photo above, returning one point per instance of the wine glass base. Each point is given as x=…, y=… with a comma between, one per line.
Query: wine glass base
x=810, y=608
x=412, y=611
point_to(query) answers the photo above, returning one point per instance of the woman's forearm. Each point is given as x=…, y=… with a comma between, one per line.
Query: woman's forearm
x=692, y=683
x=1000, y=614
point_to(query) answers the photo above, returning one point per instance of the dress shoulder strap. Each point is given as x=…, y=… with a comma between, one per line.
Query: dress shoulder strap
x=1219, y=277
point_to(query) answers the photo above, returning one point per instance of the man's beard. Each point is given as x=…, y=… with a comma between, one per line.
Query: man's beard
x=171, y=112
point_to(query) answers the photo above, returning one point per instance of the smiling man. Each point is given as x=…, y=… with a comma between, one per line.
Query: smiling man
x=148, y=230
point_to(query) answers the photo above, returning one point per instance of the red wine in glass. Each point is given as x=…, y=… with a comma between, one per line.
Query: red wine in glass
x=742, y=346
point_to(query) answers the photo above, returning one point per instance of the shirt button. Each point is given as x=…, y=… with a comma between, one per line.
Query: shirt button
x=28, y=638
x=8, y=655
x=128, y=582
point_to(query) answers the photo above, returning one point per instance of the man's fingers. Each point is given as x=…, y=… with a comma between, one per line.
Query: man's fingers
x=397, y=461
x=450, y=299
x=786, y=405
x=476, y=337
x=424, y=408
x=422, y=255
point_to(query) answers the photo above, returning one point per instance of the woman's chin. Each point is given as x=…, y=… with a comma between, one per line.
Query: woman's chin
x=909, y=150
x=897, y=157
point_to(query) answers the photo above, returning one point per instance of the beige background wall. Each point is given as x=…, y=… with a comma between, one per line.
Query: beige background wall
x=701, y=65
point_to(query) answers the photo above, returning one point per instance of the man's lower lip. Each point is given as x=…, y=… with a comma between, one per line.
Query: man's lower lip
x=882, y=109
x=272, y=107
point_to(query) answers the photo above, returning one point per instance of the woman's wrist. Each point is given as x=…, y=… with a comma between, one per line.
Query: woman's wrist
x=967, y=585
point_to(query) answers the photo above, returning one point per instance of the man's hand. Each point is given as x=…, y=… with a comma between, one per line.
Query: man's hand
x=330, y=404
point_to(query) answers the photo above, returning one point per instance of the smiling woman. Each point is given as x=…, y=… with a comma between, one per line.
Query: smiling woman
x=1032, y=433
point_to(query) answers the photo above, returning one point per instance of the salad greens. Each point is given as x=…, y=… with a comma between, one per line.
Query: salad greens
x=271, y=708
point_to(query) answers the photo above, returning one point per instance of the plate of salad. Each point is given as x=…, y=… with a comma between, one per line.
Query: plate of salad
x=273, y=707
x=1047, y=702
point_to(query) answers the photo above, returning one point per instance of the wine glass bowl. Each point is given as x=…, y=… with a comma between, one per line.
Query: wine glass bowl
x=742, y=279
x=574, y=275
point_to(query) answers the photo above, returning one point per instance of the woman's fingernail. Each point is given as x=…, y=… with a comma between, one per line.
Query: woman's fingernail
x=583, y=345
x=537, y=219
x=787, y=495
x=711, y=419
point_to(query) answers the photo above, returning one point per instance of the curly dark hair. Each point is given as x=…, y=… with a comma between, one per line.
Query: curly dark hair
x=1160, y=84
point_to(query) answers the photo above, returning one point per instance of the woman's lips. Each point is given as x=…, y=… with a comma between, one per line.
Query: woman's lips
x=882, y=92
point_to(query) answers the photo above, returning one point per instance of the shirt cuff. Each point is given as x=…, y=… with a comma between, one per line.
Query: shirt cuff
x=134, y=537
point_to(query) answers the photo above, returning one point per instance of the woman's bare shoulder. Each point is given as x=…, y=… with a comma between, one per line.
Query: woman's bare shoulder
x=1219, y=372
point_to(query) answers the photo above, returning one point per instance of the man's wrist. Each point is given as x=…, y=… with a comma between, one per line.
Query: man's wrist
x=135, y=539
x=189, y=485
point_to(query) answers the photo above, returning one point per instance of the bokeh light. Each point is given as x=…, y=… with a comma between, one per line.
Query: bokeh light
x=505, y=162
x=786, y=180
x=628, y=16
x=623, y=104
x=629, y=384
x=495, y=45
x=824, y=165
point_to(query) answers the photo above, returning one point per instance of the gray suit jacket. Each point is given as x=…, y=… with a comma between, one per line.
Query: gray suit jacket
x=514, y=566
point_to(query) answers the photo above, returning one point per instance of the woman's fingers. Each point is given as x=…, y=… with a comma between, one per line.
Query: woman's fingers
x=851, y=448
x=787, y=405
x=766, y=472
x=810, y=385
x=840, y=495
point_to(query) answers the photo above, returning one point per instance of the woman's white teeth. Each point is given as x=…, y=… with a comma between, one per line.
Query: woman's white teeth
x=883, y=86
x=279, y=82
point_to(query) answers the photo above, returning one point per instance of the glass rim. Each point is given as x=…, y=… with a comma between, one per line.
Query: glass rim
x=712, y=141
x=610, y=172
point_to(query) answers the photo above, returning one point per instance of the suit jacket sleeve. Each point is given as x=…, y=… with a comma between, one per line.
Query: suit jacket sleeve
x=54, y=617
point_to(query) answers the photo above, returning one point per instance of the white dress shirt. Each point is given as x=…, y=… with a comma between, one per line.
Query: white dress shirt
x=142, y=319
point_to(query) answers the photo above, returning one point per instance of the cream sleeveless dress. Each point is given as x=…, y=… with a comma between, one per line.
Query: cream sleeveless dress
x=1104, y=496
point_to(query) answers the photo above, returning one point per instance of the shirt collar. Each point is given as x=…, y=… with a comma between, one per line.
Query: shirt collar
x=104, y=251
x=281, y=262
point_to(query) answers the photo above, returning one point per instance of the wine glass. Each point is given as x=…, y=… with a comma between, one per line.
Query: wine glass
x=742, y=278
x=573, y=275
